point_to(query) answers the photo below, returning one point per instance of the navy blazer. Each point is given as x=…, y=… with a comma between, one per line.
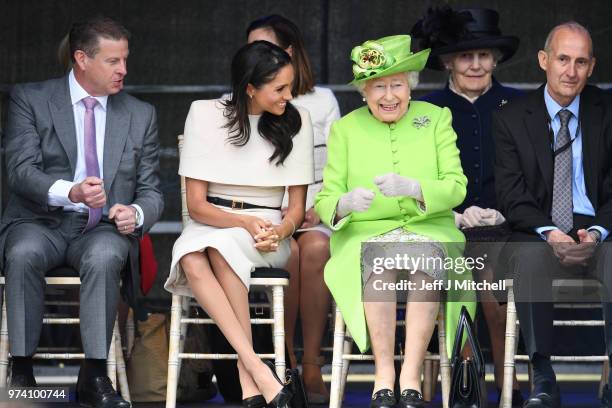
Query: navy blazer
x=472, y=123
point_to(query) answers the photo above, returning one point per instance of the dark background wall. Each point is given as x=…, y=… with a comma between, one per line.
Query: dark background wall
x=191, y=42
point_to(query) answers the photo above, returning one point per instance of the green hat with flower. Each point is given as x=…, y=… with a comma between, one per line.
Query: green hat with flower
x=386, y=56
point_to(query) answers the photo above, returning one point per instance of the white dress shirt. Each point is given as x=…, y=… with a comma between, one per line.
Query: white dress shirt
x=58, y=193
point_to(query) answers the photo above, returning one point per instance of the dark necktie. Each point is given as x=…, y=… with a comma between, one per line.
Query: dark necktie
x=562, y=203
x=91, y=155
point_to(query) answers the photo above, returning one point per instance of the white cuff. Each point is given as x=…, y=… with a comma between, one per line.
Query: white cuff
x=541, y=230
x=140, y=213
x=58, y=193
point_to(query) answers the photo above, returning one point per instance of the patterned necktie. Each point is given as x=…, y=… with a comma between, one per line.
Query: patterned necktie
x=562, y=204
x=91, y=155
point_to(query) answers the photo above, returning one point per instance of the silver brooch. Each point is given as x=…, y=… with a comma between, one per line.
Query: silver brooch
x=421, y=121
x=503, y=102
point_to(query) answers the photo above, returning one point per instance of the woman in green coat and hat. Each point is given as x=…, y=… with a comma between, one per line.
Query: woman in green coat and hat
x=393, y=175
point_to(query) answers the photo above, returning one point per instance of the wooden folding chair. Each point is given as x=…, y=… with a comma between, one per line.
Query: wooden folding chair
x=342, y=356
x=512, y=335
x=62, y=277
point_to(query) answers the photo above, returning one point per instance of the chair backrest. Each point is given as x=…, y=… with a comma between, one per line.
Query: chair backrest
x=184, y=210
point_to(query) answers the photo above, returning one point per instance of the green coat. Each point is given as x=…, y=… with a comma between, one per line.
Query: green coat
x=420, y=146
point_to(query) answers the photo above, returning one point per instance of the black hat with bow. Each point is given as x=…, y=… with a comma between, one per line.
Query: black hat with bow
x=447, y=31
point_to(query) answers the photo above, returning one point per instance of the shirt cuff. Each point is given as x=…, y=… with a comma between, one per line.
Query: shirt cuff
x=58, y=193
x=140, y=215
x=542, y=230
x=604, y=232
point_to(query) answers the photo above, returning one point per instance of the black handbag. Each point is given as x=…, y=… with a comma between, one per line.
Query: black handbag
x=467, y=388
x=293, y=380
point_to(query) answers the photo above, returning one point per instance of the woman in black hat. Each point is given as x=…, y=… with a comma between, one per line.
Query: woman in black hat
x=469, y=45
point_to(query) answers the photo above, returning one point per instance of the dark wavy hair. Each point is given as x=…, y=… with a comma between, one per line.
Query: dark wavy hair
x=288, y=35
x=257, y=64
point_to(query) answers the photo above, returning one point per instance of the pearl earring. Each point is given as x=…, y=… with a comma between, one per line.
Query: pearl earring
x=251, y=96
x=363, y=99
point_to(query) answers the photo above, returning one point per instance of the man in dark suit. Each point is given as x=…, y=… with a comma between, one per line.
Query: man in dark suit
x=82, y=164
x=553, y=161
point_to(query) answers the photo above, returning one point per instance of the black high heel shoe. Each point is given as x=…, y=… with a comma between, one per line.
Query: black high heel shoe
x=284, y=396
x=256, y=401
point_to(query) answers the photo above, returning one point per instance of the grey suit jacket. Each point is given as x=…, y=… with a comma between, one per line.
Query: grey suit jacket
x=40, y=146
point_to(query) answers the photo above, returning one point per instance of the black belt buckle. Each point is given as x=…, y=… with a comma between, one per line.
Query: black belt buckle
x=236, y=203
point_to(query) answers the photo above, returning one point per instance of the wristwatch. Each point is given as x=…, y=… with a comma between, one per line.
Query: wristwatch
x=596, y=234
x=138, y=217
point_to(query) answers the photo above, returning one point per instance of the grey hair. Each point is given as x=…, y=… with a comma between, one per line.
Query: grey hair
x=572, y=26
x=411, y=76
x=447, y=58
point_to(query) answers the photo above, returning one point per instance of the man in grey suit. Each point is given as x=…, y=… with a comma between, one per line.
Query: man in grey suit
x=82, y=164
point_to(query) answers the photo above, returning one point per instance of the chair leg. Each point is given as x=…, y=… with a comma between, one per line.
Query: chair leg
x=445, y=368
x=335, y=398
x=347, y=348
x=435, y=372
x=605, y=373
x=427, y=379
x=129, y=333
x=111, y=361
x=185, y=307
x=121, y=373
x=278, y=312
x=4, y=344
x=509, y=351
x=173, y=352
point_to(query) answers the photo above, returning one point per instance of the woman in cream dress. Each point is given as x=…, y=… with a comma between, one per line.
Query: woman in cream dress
x=307, y=292
x=238, y=158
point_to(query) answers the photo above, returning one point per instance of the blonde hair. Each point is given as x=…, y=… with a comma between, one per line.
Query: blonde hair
x=63, y=54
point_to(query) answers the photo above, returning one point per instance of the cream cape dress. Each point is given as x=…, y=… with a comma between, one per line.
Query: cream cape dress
x=240, y=173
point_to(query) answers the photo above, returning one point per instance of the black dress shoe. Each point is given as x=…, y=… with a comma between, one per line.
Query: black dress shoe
x=411, y=399
x=256, y=401
x=98, y=392
x=384, y=398
x=606, y=397
x=23, y=380
x=517, y=398
x=548, y=397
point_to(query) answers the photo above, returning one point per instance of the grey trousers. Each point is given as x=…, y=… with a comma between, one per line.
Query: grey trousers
x=534, y=266
x=98, y=255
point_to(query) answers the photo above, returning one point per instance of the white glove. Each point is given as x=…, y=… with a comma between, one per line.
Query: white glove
x=358, y=200
x=458, y=217
x=478, y=217
x=393, y=185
